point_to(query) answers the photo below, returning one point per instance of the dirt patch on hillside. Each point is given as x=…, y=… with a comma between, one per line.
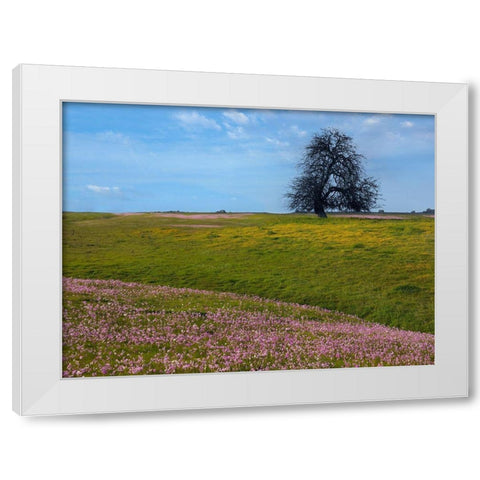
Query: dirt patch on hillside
x=371, y=217
x=190, y=216
x=194, y=225
x=384, y=217
x=201, y=216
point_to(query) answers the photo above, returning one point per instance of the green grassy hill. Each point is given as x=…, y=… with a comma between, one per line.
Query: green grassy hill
x=381, y=270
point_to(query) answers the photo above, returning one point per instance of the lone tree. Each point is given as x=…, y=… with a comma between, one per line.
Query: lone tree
x=332, y=177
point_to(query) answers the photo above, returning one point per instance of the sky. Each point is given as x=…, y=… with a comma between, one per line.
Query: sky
x=140, y=158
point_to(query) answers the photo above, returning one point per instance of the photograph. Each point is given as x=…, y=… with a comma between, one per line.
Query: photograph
x=248, y=227
x=216, y=239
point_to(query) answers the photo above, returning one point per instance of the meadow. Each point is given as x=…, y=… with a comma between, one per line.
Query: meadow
x=379, y=269
x=117, y=328
x=182, y=293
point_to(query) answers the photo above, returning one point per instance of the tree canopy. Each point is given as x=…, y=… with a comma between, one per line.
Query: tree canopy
x=332, y=177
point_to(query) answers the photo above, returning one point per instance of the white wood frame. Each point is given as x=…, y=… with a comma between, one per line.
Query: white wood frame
x=38, y=388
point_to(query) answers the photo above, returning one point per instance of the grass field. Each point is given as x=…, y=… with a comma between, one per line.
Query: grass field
x=381, y=270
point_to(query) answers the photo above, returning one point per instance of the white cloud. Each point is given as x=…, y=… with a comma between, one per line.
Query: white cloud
x=104, y=190
x=235, y=132
x=295, y=130
x=194, y=120
x=407, y=124
x=276, y=142
x=371, y=121
x=236, y=117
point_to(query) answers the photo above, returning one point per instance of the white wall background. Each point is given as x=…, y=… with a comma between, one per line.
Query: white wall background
x=407, y=40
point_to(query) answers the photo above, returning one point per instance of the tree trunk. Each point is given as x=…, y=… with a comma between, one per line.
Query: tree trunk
x=320, y=211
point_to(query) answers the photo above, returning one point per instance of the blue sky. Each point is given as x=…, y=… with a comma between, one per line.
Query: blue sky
x=129, y=158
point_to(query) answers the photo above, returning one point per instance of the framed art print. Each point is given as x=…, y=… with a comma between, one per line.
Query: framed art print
x=202, y=240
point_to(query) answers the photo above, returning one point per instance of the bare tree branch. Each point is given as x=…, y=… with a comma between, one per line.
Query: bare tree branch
x=332, y=177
